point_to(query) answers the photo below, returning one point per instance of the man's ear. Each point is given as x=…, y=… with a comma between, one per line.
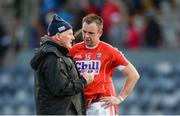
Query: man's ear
x=58, y=36
x=100, y=33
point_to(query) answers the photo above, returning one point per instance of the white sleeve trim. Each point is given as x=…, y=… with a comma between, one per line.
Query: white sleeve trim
x=121, y=67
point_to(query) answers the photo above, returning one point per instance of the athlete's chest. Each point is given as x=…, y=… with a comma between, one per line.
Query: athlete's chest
x=94, y=61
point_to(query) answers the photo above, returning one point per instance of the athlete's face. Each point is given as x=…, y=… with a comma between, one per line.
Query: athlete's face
x=91, y=34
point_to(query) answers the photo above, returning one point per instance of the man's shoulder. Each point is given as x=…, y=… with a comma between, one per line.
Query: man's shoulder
x=75, y=48
x=107, y=46
x=80, y=44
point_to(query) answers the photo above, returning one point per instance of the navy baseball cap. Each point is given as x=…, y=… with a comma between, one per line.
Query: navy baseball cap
x=58, y=25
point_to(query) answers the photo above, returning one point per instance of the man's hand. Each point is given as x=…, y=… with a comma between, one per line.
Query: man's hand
x=110, y=101
x=88, y=76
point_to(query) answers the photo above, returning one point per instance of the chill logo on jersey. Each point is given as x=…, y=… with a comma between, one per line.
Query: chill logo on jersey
x=91, y=65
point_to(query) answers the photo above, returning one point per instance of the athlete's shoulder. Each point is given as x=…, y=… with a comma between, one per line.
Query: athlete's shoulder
x=75, y=48
x=107, y=46
x=80, y=44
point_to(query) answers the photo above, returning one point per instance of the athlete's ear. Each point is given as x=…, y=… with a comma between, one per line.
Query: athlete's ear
x=100, y=33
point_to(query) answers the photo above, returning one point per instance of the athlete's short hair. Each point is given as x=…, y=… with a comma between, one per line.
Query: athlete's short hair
x=90, y=18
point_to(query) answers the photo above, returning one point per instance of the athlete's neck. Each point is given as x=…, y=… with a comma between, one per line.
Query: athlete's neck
x=93, y=47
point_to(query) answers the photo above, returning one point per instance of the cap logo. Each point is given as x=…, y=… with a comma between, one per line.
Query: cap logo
x=62, y=28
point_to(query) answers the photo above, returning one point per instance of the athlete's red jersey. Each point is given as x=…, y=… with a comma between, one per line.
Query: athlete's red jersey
x=102, y=60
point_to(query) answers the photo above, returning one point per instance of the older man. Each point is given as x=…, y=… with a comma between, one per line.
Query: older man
x=59, y=87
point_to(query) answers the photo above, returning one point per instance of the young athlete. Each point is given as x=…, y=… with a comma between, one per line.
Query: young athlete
x=102, y=59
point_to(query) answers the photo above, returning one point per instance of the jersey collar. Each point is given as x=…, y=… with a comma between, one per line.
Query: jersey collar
x=93, y=46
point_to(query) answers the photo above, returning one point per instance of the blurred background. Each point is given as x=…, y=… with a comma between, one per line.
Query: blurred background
x=146, y=31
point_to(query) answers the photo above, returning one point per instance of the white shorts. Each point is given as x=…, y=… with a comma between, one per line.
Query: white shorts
x=96, y=109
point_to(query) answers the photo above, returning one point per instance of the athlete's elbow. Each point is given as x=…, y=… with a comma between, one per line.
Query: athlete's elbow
x=137, y=76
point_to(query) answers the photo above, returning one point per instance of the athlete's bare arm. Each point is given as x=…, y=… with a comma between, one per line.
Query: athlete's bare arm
x=130, y=82
x=131, y=79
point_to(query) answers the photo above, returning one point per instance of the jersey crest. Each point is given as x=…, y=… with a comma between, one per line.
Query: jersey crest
x=99, y=55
